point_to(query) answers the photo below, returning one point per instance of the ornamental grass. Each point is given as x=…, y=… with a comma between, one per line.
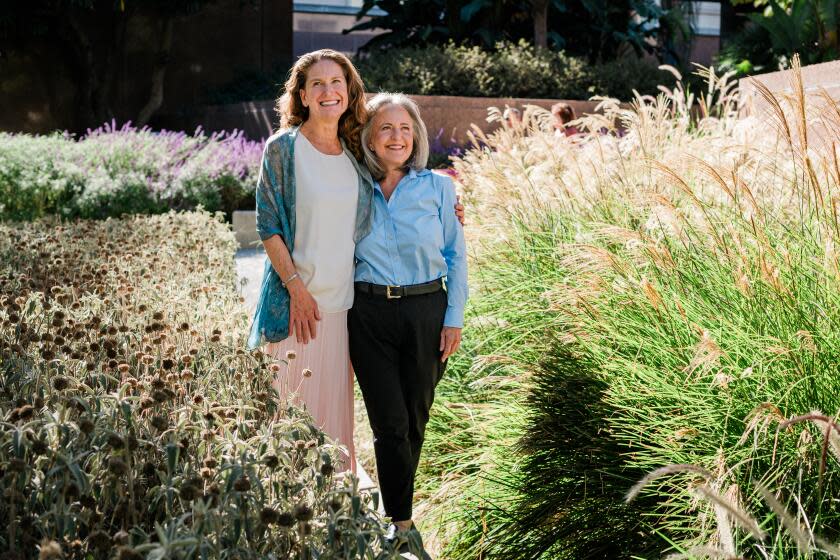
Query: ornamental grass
x=135, y=425
x=660, y=294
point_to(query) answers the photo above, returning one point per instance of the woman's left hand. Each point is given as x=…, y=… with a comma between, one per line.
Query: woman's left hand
x=450, y=341
x=459, y=210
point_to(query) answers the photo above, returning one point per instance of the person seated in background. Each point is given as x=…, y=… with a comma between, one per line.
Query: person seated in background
x=563, y=115
x=513, y=118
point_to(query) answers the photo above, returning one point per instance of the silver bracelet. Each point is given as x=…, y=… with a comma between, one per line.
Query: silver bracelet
x=289, y=279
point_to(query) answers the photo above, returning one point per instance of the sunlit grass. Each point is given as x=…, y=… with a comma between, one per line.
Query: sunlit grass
x=683, y=277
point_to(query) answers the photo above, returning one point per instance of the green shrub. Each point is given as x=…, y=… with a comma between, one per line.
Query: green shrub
x=619, y=78
x=509, y=70
x=517, y=433
x=428, y=71
x=31, y=181
x=135, y=425
x=748, y=52
x=111, y=171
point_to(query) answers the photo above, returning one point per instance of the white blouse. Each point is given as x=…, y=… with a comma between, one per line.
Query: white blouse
x=327, y=193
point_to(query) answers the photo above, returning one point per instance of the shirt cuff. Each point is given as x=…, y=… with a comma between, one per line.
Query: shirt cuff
x=454, y=317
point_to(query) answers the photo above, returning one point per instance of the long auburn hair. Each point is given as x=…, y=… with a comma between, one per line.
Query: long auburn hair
x=292, y=112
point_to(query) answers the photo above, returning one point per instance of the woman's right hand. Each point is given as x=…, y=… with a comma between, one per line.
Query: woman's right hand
x=304, y=314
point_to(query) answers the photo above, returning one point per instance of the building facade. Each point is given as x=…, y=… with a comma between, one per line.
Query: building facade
x=41, y=86
x=319, y=25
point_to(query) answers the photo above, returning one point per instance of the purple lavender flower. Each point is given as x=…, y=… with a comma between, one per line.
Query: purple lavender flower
x=175, y=169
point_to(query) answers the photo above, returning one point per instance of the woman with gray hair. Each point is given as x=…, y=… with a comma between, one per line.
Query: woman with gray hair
x=403, y=325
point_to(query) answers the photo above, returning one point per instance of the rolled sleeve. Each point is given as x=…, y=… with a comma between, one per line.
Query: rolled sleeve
x=455, y=254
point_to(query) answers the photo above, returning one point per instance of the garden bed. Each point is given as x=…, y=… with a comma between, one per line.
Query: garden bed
x=645, y=301
x=135, y=423
x=114, y=171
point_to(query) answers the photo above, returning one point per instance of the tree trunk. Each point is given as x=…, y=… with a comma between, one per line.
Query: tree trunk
x=103, y=100
x=452, y=20
x=539, y=12
x=158, y=73
x=80, y=45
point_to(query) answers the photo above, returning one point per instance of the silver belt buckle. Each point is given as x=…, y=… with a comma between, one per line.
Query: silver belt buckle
x=388, y=293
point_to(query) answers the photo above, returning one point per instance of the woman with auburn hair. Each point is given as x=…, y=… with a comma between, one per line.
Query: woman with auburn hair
x=314, y=203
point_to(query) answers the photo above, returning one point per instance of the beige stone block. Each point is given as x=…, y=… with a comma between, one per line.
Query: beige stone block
x=815, y=79
x=245, y=229
x=452, y=114
x=456, y=115
x=818, y=82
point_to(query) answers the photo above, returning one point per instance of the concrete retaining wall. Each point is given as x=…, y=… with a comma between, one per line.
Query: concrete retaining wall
x=817, y=79
x=452, y=114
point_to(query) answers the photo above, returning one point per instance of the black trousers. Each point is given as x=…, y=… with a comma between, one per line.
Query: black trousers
x=395, y=350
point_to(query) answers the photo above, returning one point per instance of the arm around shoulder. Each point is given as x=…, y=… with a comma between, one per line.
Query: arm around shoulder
x=455, y=254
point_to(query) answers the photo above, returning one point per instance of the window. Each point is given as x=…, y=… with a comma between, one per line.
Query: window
x=705, y=18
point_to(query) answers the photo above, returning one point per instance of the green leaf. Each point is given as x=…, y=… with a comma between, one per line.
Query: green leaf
x=361, y=545
x=237, y=529
x=172, y=451
x=471, y=9
x=81, y=478
x=233, y=476
x=125, y=408
x=16, y=443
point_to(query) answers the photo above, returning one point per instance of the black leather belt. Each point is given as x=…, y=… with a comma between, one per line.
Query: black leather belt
x=396, y=292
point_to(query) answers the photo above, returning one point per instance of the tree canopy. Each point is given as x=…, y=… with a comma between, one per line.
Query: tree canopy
x=776, y=30
x=90, y=35
x=598, y=29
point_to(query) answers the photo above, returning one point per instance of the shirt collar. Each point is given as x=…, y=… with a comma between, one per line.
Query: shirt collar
x=412, y=174
x=422, y=173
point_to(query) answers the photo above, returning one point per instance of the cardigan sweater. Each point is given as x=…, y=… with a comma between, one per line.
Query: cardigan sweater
x=276, y=216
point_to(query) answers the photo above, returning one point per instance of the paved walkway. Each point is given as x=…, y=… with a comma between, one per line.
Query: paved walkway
x=249, y=270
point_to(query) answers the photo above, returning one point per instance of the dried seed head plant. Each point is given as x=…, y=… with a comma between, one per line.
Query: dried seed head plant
x=134, y=423
x=686, y=250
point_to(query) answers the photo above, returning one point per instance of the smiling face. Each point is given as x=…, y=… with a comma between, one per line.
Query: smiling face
x=392, y=136
x=325, y=91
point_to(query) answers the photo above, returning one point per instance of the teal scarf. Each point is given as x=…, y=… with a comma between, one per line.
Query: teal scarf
x=276, y=216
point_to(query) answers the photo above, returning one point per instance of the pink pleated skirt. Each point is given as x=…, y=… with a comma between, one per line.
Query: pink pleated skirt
x=320, y=379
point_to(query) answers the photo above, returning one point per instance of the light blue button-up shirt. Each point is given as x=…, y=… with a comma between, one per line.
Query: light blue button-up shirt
x=416, y=238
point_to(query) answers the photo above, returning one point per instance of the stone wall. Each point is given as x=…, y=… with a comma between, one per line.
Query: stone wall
x=816, y=77
x=817, y=80
x=449, y=114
